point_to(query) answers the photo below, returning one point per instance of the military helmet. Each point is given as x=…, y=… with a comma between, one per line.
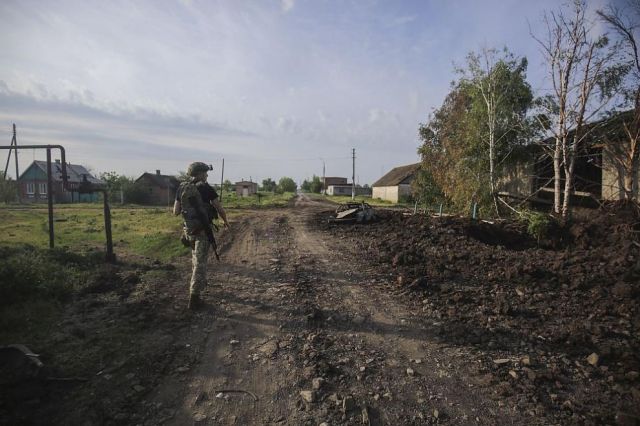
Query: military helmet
x=197, y=168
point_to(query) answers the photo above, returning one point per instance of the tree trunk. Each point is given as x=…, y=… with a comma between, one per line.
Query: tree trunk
x=557, y=176
x=568, y=183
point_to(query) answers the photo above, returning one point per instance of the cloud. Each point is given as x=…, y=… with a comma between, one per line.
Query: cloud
x=287, y=5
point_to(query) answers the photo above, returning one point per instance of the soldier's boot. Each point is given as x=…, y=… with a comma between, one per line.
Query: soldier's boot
x=195, y=302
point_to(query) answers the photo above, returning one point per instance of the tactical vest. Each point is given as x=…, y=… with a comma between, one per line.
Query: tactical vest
x=191, y=202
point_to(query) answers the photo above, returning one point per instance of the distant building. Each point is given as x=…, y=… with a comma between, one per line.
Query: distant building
x=33, y=184
x=396, y=184
x=162, y=188
x=346, y=190
x=245, y=189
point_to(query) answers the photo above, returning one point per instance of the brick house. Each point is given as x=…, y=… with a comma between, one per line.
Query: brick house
x=246, y=189
x=162, y=188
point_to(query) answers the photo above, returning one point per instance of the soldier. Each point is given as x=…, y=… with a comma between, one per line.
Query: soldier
x=192, y=199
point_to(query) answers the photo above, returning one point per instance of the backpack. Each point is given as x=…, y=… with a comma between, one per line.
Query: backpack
x=191, y=202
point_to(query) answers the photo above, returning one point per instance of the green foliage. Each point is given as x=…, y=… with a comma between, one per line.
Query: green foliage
x=28, y=273
x=8, y=190
x=269, y=185
x=286, y=184
x=538, y=224
x=227, y=186
x=314, y=185
x=455, y=142
x=133, y=192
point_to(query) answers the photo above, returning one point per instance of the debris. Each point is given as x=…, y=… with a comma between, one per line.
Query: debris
x=317, y=383
x=593, y=359
x=223, y=391
x=308, y=396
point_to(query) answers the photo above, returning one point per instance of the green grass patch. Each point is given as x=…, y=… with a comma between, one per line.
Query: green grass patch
x=262, y=199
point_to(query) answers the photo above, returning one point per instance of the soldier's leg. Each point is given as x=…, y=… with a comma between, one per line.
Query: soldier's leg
x=199, y=261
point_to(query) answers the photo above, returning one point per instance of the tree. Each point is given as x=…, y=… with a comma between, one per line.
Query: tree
x=8, y=191
x=286, y=184
x=469, y=139
x=227, y=185
x=501, y=98
x=305, y=186
x=315, y=185
x=625, y=152
x=584, y=80
x=268, y=185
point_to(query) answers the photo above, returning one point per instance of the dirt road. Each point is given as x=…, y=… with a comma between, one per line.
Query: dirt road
x=295, y=332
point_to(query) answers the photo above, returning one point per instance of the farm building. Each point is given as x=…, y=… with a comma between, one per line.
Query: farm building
x=33, y=186
x=598, y=173
x=245, y=188
x=346, y=190
x=162, y=188
x=396, y=184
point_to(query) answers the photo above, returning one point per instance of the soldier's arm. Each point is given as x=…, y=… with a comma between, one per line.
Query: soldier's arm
x=216, y=204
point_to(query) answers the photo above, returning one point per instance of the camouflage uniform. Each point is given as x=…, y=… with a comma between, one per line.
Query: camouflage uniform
x=199, y=254
x=193, y=209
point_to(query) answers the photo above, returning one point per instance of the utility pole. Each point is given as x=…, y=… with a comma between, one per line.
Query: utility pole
x=222, y=180
x=324, y=180
x=353, y=175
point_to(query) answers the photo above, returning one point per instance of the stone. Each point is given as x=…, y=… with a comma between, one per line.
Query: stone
x=365, y=416
x=199, y=417
x=317, y=383
x=410, y=372
x=501, y=361
x=593, y=359
x=348, y=404
x=234, y=342
x=436, y=413
x=513, y=374
x=526, y=360
x=182, y=369
x=308, y=396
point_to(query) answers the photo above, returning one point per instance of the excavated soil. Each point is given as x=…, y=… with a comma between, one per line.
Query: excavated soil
x=555, y=321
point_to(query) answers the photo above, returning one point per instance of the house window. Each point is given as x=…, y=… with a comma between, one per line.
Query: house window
x=31, y=188
x=42, y=188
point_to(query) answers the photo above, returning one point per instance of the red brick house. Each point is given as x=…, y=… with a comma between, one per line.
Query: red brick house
x=162, y=188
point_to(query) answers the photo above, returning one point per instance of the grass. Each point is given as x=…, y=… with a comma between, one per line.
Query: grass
x=265, y=199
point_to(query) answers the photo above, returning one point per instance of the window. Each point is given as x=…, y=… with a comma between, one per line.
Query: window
x=42, y=188
x=31, y=188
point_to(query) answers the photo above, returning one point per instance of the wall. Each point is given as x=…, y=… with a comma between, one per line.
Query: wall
x=613, y=179
x=389, y=193
x=517, y=179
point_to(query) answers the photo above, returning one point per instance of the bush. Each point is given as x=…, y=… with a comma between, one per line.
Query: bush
x=538, y=224
x=27, y=273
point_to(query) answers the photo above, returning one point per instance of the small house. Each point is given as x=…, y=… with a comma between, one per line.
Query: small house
x=396, y=184
x=33, y=183
x=347, y=190
x=246, y=189
x=162, y=188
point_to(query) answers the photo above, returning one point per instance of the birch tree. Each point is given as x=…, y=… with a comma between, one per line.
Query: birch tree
x=499, y=85
x=583, y=76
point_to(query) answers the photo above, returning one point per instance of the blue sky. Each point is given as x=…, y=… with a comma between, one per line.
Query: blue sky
x=274, y=87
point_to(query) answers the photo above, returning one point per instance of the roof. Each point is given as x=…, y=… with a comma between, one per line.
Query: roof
x=397, y=175
x=162, y=181
x=244, y=182
x=75, y=172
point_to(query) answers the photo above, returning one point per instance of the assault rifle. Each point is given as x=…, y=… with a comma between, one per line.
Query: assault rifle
x=204, y=220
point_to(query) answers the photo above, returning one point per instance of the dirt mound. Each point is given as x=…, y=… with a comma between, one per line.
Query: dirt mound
x=574, y=310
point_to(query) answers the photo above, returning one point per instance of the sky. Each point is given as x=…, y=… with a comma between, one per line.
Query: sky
x=275, y=87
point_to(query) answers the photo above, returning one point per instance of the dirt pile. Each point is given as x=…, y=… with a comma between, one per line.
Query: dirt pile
x=558, y=328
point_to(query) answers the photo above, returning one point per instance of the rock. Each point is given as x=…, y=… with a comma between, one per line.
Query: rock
x=513, y=374
x=182, y=369
x=308, y=396
x=501, y=361
x=410, y=372
x=526, y=360
x=348, y=404
x=593, y=359
x=234, y=342
x=436, y=413
x=317, y=383
x=199, y=417
x=365, y=416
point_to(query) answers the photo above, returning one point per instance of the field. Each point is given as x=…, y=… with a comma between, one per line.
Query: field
x=411, y=319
